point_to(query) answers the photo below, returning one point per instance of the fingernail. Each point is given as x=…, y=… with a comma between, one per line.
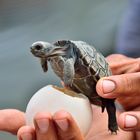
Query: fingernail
x=26, y=136
x=108, y=86
x=43, y=125
x=130, y=121
x=63, y=124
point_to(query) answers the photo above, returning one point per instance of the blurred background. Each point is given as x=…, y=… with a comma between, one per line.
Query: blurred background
x=24, y=22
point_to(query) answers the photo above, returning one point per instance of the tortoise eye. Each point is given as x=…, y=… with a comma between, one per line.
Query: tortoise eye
x=38, y=47
x=62, y=42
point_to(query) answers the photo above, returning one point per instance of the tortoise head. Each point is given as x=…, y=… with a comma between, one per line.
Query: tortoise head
x=46, y=50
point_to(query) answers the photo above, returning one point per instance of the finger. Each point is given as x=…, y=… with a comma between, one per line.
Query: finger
x=66, y=126
x=11, y=120
x=129, y=121
x=115, y=58
x=121, y=64
x=119, y=85
x=44, y=127
x=134, y=68
x=26, y=133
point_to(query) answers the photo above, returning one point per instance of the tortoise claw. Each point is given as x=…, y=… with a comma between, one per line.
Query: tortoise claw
x=113, y=129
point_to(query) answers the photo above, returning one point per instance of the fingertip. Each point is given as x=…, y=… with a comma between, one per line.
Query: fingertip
x=42, y=115
x=26, y=132
x=61, y=114
x=43, y=122
x=105, y=88
x=66, y=126
x=64, y=115
x=129, y=121
x=61, y=119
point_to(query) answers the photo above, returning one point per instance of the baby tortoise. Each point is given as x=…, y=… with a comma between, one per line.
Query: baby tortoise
x=80, y=66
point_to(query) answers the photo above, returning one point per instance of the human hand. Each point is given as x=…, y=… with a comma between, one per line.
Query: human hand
x=16, y=119
x=61, y=126
x=11, y=120
x=121, y=64
x=125, y=88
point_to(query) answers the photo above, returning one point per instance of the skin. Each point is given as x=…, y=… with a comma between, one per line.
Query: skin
x=126, y=88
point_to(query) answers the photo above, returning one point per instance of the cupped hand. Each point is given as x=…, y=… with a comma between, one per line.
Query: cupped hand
x=124, y=86
x=60, y=126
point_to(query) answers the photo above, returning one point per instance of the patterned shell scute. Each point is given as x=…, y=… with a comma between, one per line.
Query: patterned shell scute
x=85, y=49
x=93, y=59
x=94, y=66
x=100, y=60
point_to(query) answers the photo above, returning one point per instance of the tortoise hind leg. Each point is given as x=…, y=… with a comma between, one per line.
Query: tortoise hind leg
x=111, y=110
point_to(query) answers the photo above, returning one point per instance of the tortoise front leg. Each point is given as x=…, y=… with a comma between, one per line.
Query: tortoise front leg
x=44, y=64
x=69, y=71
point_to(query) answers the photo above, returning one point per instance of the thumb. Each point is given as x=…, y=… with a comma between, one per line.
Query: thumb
x=130, y=120
x=11, y=120
x=119, y=85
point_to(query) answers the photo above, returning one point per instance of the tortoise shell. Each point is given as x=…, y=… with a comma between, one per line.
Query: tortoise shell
x=90, y=66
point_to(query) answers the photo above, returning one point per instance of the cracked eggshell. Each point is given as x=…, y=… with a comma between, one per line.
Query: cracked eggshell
x=49, y=99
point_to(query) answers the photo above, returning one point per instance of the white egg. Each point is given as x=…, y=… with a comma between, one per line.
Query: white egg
x=52, y=99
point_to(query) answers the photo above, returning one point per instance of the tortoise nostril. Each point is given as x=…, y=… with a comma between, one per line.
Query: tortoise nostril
x=38, y=47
